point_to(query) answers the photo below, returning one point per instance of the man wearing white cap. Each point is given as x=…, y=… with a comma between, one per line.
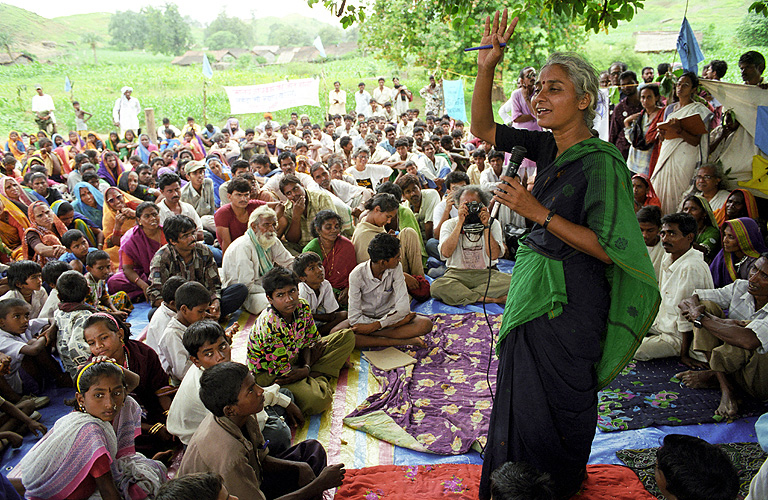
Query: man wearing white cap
x=125, y=114
x=42, y=106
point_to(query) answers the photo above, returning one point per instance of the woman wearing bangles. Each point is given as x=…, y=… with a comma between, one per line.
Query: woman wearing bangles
x=562, y=338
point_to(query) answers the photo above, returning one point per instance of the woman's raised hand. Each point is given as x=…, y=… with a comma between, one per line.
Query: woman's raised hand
x=494, y=34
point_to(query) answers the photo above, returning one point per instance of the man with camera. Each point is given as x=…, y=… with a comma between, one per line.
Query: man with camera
x=469, y=249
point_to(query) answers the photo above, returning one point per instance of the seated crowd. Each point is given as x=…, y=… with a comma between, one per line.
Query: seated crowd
x=325, y=232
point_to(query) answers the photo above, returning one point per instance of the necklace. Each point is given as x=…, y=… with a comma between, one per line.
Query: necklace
x=330, y=257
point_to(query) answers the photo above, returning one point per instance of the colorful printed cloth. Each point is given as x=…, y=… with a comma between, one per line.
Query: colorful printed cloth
x=442, y=403
x=746, y=457
x=646, y=393
x=273, y=342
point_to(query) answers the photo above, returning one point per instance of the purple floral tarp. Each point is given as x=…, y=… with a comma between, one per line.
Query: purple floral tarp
x=441, y=404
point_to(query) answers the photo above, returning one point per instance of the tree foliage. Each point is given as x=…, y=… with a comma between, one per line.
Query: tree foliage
x=753, y=30
x=760, y=7
x=242, y=32
x=222, y=40
x=91, y=39
x=159, y=30
x=406, y=33
x=596, y=15
x=128, y=30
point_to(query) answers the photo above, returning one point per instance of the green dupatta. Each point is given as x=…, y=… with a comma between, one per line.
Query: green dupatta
x=635, y=297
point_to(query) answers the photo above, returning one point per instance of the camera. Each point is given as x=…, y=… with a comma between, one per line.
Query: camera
x=472, y=222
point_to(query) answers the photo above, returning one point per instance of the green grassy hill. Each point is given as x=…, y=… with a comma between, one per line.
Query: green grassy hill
x=27, y=28
x=87, y=23
x=716, y=20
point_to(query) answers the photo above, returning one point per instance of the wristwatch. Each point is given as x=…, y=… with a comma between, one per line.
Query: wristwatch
x=697, y=321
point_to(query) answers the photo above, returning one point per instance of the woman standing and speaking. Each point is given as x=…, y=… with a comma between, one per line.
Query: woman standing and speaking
x=583, y=291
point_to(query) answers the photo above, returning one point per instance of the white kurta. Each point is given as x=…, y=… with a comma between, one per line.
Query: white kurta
x=126, y=113
x=241, y=265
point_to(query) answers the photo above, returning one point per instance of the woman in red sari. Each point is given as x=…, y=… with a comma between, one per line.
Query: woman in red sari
x=191, y=143
x=337, y=252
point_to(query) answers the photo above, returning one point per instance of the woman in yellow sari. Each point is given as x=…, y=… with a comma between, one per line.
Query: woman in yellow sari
x=119, y=217
x=13, y=224
x=15, y=145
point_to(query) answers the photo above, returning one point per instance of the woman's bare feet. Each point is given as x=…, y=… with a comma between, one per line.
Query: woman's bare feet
x=695, y=379
x=416, y=342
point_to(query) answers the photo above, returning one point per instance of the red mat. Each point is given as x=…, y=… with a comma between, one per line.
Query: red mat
x=461, y=481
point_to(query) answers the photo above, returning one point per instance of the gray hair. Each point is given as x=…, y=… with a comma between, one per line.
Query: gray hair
x=584, y=78
x=217, y=137
x=485, y=197
x=361, y=149
x=262, y=211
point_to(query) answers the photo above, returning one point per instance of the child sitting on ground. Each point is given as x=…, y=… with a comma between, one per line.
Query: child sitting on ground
x=25, y=282
x=106, y=337
x=27, y=348
x=163, y=314
x=207, y=345
x=77, y=249
x=51, y=272
x=520, y=481
x=689, y=468
x=229, y=443
x=98, y=266
x=70, y=318
x=192, y=301
x=379, y=305
x=318, y=292
x=284, y=346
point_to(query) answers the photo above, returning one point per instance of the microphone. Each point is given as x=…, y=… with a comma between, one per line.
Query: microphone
x=517, y=155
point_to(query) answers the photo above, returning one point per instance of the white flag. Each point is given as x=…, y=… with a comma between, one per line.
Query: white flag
x=319, y=45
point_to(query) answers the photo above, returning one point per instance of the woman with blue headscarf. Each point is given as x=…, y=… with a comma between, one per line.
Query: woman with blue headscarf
x=215, y=170
x=145, y=147
x=90, y=202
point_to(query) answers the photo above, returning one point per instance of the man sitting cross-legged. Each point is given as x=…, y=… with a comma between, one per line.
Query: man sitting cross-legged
x=285, y=347
x=468, y=250
x=683, y=270
x=379, y=305
x=736, y=346
x=229, y=443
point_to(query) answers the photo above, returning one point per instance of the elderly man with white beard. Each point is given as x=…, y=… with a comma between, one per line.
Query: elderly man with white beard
x=251, y=255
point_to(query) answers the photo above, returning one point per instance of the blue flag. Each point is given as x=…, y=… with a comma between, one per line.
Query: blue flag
x=67, y=84
x=453, y=94
x=761, y=129
x=688, y=48
x=207, y=70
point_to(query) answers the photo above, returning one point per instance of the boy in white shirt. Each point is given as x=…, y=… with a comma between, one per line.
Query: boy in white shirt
x=207, y=345
x=318, y=292
x=162, y=315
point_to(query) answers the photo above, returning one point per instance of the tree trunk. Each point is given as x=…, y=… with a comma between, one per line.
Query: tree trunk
x=95, y=60
x=497, y=91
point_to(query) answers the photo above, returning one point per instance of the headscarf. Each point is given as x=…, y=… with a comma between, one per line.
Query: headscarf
x=108, y=221
x=217, y=181
x=107, y=174
x=80, y=143
x=650, y=196
x=80, y=222
x=18, y=223
x=708, y=209
x=47, y=236
x=93, y=213
x=144, y=152
x=110, y=144
x=31, y=159
x=749, y=201
x=230, y=122
x=16, y=148
x=53, y=140
x=24, y=197
x=750, y=240
x=141, y=192
x=92, y=145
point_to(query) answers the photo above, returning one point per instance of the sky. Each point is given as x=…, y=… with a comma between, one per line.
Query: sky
x=203, y=11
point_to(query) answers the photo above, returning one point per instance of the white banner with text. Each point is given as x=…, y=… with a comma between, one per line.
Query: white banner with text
x=273, y=96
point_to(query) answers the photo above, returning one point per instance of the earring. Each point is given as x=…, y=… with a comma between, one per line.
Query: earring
x=114, y=407
x=81, y=408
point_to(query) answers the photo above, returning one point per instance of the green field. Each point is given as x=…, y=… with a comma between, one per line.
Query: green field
x=177, y=92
